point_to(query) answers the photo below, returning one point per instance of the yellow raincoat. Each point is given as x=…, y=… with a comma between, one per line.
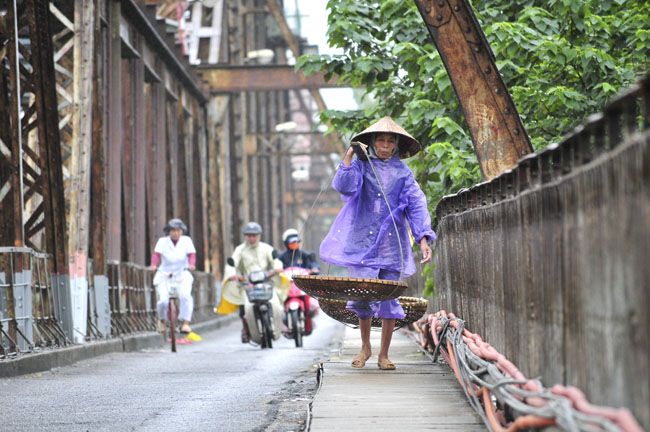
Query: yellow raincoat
x=249, y=258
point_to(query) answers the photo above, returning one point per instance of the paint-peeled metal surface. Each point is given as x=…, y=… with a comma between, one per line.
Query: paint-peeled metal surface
x=224, y=79
x=497, y=132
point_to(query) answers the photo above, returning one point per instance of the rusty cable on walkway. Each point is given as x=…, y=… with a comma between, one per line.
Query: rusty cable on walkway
x=502, y=395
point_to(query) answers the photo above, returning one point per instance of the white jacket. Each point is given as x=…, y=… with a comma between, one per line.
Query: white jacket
x=247, y=259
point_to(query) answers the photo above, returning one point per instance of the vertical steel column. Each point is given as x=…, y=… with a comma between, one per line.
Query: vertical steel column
x=139, y=159
x=159, y=167
x=99, y=142
x=16, y=129
x=114, y=151
x=79, y=196
x=217, y=156
x=48, y=134
x=127, y=160
x=172, y=158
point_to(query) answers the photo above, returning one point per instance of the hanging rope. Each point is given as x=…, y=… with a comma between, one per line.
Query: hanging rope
x=390, y=211
x=383, y=193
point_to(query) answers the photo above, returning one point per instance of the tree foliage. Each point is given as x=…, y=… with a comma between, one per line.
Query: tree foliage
x=562, y=60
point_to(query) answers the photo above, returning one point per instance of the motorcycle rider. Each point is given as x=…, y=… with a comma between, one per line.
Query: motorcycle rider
x=296, y=257
x=249, y=256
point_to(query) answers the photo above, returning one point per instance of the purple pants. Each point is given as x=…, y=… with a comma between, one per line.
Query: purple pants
x=389, y=309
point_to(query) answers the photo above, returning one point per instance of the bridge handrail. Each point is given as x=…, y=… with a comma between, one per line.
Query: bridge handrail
x=31, y=315
x=29, y=312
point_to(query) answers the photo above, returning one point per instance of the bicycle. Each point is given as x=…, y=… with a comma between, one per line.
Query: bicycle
x=172, y=283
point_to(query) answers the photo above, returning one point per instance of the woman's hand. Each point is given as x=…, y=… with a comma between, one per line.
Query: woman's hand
x=191, y=268
x=426, y=251
x=347, y=159
x=153, y=268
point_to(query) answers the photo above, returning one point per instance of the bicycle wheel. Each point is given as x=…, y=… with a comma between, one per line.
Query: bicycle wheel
x=172, y=322
x=267, y=330
x=296, y=326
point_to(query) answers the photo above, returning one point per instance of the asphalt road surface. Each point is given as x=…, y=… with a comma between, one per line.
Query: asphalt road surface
x=218, y=384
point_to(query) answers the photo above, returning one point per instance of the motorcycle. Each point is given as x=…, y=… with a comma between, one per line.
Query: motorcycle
x=262, y=308
x=299, y=308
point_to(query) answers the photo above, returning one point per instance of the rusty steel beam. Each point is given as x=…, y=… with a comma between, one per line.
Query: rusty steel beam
x=497, y=131
x=48, y=134
x=113, y=185
x=98, y=154
x=138, y=195
x=16, y=128
x=235, y=78
x=80, y=164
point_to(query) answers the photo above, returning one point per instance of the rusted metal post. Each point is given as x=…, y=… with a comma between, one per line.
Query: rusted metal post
x=114, y=144
x=79, y=196
x=16, y=128
x=99, y=142
x=139, y=159
x=159, y=186
x=48, y=134
x=218, y=156
x=497, y=131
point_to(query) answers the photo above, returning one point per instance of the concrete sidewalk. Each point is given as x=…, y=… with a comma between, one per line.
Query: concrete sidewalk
x=49, y=358
x=419, y=395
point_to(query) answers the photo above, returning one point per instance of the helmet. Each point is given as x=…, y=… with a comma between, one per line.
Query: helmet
x=175, y=224
x=252, y=228
x=290, y=236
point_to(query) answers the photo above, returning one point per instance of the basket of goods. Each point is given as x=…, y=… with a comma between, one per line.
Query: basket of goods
x=352, y=289
x=413, y=307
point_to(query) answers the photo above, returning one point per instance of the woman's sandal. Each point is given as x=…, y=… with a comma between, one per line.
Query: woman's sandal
x=385, y=364
x=359, y=360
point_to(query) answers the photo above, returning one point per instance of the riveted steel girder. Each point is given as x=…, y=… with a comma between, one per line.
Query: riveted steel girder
x=227, y=78
x=497, y=131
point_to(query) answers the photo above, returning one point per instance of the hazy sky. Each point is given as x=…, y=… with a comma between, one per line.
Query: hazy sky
x=313, y=26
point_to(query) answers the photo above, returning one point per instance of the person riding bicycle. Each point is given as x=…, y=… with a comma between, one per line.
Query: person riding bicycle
x=176, y=255
x=251, y=255
x=296, y=257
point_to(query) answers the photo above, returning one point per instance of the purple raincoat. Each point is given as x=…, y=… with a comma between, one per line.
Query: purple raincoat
x=363, y=234
x=363, y=238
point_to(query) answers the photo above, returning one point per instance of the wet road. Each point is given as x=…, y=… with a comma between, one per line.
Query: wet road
x=216, y=384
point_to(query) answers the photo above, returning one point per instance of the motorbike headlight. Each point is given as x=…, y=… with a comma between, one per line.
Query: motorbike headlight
x=257, y=276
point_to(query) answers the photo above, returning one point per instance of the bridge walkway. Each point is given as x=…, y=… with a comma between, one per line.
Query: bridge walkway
x=419, y=395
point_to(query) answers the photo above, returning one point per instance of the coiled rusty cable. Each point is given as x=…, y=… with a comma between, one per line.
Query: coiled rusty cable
x=504, y=398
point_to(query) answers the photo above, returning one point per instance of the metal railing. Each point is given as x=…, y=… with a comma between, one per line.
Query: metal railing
x=28, y=303
x=133, y=297
x=35, y=305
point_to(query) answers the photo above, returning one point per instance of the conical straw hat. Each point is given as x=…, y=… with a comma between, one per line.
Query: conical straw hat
x=408, y=146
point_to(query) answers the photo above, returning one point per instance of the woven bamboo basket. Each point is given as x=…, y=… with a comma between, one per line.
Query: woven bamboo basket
x=353, y=289
x=413, y=307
